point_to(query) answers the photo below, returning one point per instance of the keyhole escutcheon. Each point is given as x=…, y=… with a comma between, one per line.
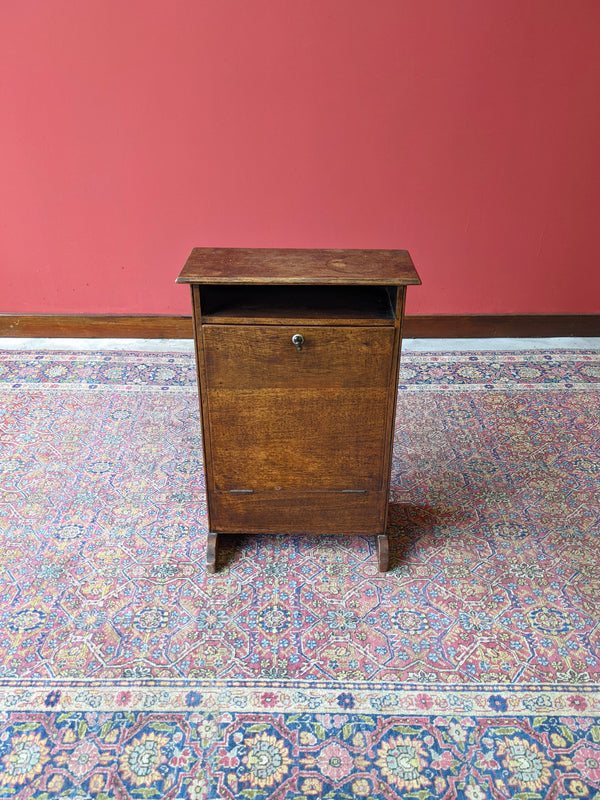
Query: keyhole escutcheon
x=298, y=340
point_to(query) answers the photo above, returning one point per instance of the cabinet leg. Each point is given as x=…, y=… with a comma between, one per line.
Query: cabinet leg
x=211, y=553
x=383, y=552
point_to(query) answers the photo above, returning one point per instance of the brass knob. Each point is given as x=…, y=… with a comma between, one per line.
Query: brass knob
x=298, y=340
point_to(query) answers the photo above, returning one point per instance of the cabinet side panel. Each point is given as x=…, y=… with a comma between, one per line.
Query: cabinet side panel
x=201, y=375
x=393, y=395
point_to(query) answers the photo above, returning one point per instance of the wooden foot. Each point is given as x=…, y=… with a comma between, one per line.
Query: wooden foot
x=211, y=554
x=383, y=552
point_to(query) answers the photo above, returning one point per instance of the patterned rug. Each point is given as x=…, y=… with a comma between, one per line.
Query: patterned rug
x=470, y=670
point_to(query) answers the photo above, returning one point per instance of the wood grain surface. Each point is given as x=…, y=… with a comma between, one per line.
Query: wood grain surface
x=272, y=266
x=299, y=512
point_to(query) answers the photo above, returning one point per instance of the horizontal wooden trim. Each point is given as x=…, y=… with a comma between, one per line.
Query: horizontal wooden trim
x=493, y=326
x=162, y=326
x=97, y=326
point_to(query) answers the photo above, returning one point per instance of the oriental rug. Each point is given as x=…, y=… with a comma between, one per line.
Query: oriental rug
x=470, y=670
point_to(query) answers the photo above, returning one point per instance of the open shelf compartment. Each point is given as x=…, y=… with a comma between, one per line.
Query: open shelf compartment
x=265, y=303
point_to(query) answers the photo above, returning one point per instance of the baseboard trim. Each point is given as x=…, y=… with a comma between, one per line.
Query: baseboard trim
x=162, y=326
x=493, y=326
x=96, y=326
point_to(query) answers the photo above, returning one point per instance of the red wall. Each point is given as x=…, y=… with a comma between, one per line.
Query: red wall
x=467, y=132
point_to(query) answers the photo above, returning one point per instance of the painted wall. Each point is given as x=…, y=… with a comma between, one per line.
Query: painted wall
x=465, y=131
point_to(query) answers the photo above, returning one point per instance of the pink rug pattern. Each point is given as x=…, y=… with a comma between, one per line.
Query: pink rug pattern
x=313, y=673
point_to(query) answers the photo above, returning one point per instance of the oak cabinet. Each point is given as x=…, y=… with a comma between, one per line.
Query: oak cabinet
x=297, y=355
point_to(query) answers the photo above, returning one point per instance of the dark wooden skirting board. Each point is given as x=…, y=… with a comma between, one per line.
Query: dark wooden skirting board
x=484, y=326
x=159, y=326
x=97, y=326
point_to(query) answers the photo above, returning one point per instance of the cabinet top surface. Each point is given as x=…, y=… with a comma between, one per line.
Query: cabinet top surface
x=261, y=265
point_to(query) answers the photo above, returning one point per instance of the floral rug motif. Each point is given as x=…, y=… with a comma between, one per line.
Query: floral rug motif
x=471, y=669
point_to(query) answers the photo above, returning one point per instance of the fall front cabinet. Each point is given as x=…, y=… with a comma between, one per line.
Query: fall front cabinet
x=297, y=355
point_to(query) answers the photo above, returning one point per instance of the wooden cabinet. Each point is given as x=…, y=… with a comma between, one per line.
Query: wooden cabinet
x=297, y=354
